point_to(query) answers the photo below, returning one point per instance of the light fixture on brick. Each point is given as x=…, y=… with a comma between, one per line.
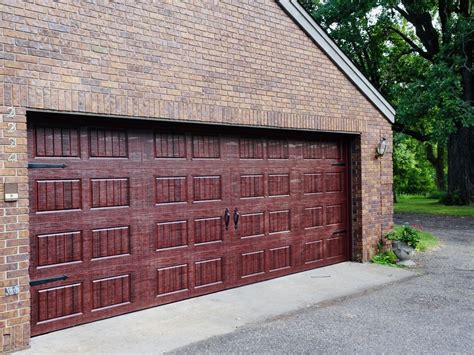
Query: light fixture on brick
x=381, y=147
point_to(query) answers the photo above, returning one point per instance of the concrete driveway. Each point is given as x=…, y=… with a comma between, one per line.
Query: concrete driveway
x=172, y=326
x=432, y=314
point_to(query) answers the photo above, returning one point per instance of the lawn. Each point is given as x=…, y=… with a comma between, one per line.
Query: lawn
x=423, y=205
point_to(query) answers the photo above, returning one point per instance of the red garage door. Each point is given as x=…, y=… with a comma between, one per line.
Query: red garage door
x=144, y=214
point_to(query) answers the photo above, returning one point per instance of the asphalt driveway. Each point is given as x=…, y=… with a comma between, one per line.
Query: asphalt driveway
x=431, y=313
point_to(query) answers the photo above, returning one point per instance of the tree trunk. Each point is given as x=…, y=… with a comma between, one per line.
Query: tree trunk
x=459, y=166
x=460, y=150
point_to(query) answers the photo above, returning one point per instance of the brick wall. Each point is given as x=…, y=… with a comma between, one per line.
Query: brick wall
x=14, y=242
x=227, y=62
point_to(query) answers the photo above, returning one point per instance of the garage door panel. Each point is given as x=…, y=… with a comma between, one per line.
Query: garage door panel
x=179, y=277
x=330, y=213
x=67, y=141
x=313, y=217
x=69, y=250
x=280, y=220
x=137, y=217
x=111, y=292
x=59, y=302
x=335, y=245
x=70, y=193
x=335, y=214
x=252, y=224
x=310, y=207
x=108, y=143
x=252, y=263
x=174, y=230
x=81, y=300
x=172, y=280
x=313, y=251
x=251, y=185
x=53, y=141
x=170, y=145
x=170, y=189
x=57, y=194
x=252, y=148
x=280, y=258
x=208, y=230
x=209, y=272
x=171, y=234
x=59, y=249
x=259, y=263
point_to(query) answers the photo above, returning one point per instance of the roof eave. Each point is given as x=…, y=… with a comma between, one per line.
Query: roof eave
x=319, y=36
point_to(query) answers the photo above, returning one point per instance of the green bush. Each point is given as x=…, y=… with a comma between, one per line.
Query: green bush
x=406, y=234
x=453, y=199
x=412, y=172
x=385, y=258
x=436, y=195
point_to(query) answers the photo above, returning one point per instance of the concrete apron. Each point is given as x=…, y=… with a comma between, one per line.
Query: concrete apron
x=172, y=326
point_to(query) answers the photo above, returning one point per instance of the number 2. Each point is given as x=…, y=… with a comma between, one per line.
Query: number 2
x=11, y=112
x=11, y=127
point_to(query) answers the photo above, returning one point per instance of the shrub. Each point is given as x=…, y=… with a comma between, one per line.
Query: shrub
x=385, y=258
x=453, y=199
x=412, y=172
x=437, y=195
x=406, y=234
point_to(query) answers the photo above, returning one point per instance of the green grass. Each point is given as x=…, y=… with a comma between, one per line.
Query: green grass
x=424, y=205
x=427, y=240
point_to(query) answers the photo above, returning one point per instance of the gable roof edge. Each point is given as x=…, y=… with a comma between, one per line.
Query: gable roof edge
x=318, y=35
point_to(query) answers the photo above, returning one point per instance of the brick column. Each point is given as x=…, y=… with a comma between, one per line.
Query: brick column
x=14, y=235
x=376, y=187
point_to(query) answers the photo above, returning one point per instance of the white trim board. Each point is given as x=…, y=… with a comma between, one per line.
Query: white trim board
x=317, y=34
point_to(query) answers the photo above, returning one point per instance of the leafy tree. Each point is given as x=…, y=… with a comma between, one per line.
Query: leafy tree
x=413, y=174
x=418, y=53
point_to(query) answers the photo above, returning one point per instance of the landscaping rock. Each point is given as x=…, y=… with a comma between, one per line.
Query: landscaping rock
x=407, y=263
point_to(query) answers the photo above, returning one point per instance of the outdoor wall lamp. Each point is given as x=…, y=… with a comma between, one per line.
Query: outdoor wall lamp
x=381, y=148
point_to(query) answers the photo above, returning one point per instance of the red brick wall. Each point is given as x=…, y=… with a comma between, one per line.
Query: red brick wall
x=226, y=62
x=14, y=242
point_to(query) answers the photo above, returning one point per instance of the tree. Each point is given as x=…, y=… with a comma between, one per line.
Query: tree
x=413, y=174
x=418, y=53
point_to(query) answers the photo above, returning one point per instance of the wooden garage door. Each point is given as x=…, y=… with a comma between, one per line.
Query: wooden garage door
x=137, y=217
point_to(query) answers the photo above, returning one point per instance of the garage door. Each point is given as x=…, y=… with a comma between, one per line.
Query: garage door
x=125, y=217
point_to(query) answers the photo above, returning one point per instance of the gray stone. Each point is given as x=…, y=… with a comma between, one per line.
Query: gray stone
x=407, y=263
x=402, y=250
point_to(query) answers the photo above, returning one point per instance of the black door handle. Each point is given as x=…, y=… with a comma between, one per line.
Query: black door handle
x=226, y=218
x=236, y=217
